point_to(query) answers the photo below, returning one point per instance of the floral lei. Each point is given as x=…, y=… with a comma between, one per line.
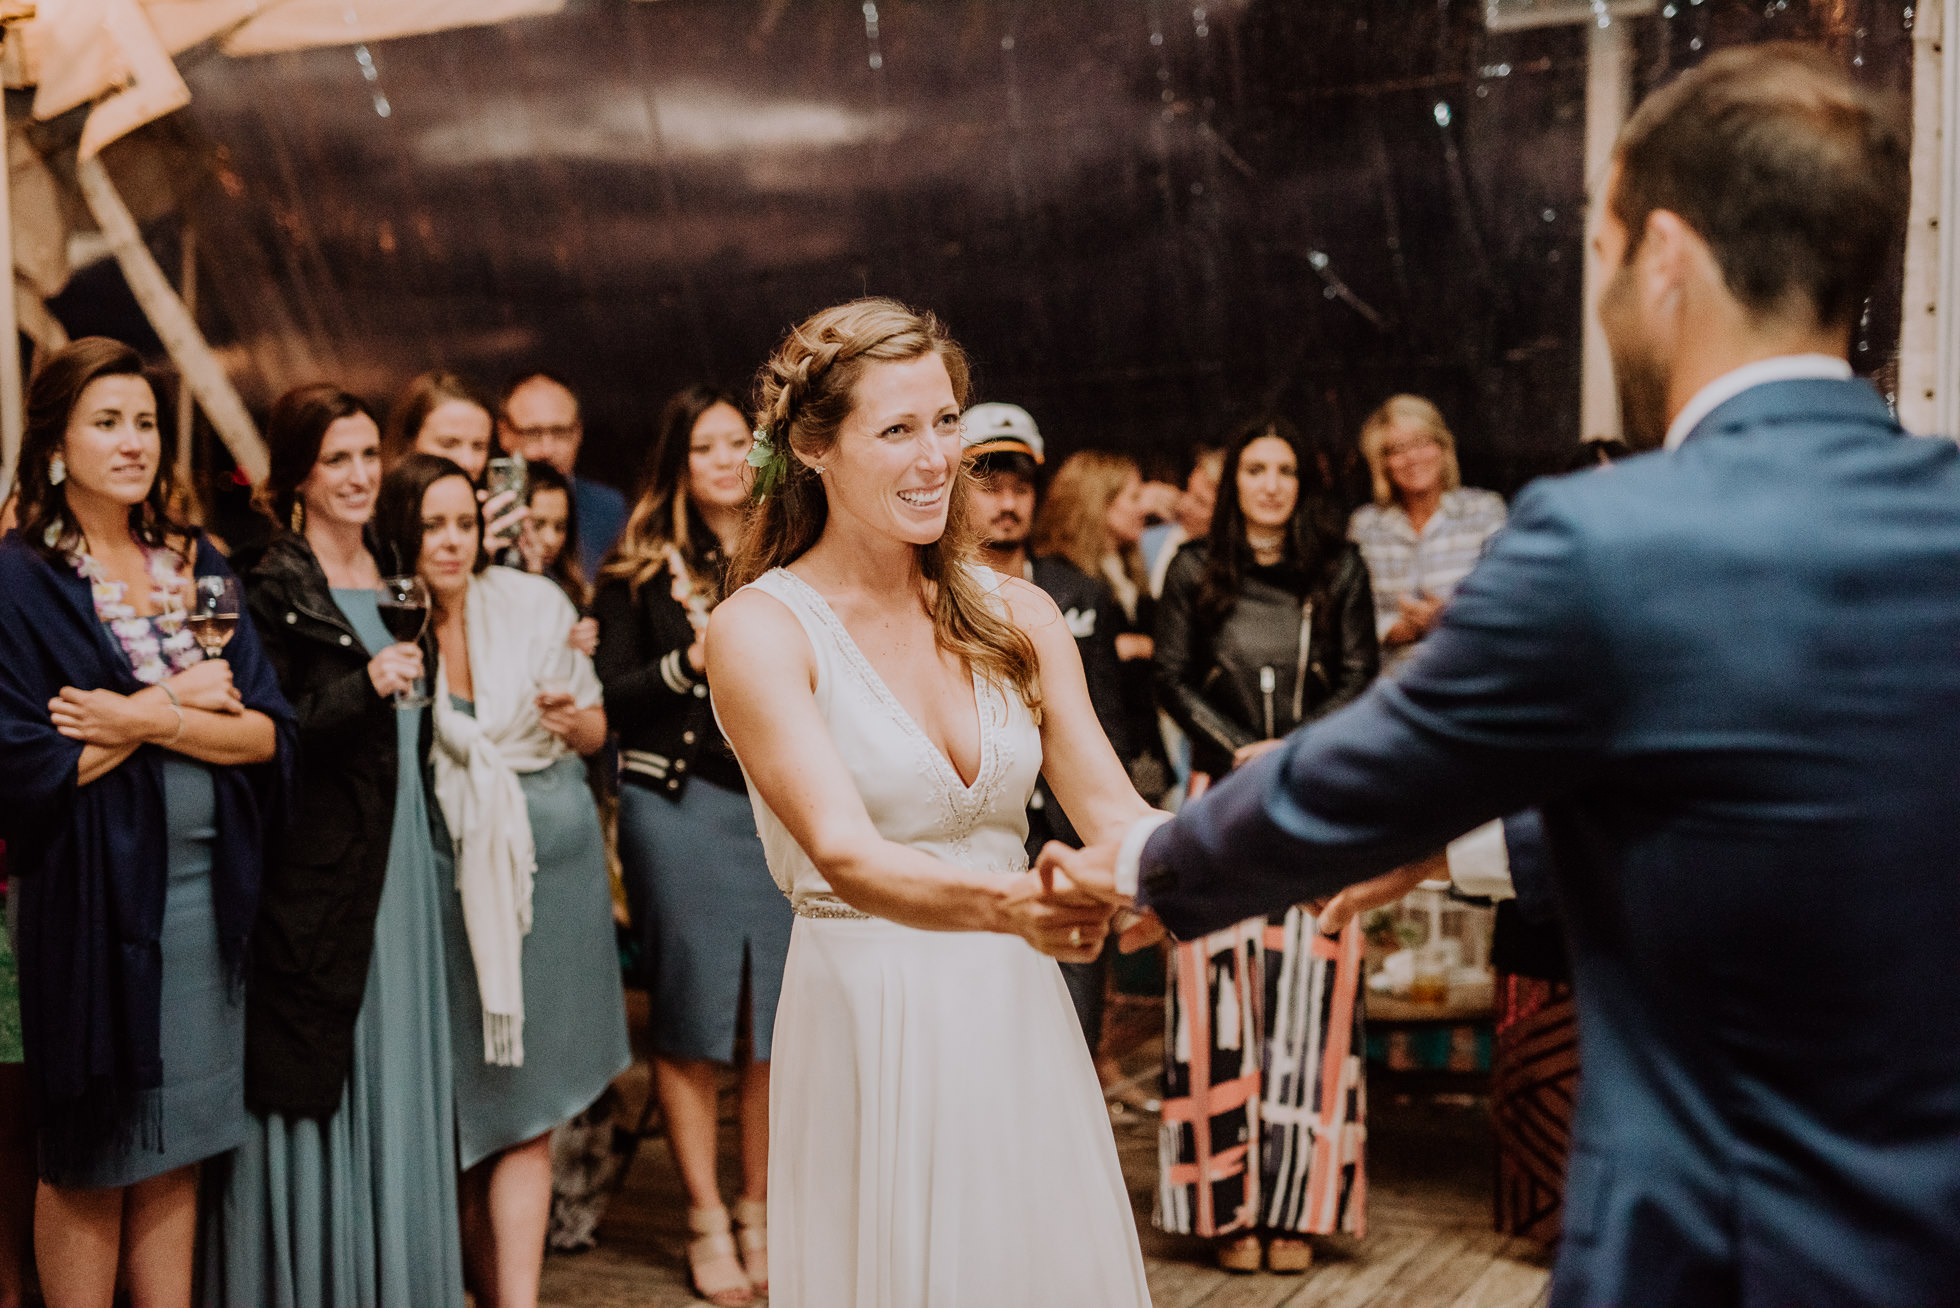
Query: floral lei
x=157, y=647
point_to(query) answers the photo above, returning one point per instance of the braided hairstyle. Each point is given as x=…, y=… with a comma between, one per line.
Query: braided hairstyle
x=804, y=394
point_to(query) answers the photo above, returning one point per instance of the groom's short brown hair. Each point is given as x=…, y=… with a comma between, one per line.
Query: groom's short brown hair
x=1797, y=177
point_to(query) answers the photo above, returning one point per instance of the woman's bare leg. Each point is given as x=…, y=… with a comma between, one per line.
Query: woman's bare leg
x=77, y=1236
x=518, y=1204
x=755, y=1131
x=687, y=1090
x=159, y=1236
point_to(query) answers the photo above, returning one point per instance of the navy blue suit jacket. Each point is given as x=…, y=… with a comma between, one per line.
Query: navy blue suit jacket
x=602, y=513
x=1729, y=676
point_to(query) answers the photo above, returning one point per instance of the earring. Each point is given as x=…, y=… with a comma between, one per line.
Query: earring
x=57, y=470
x=298, y=515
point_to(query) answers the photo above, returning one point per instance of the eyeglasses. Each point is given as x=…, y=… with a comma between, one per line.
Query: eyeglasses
x=561, y=431
x=1401, y=448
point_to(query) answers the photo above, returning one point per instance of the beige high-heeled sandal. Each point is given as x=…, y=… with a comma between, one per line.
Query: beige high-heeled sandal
x=712, y=1260
x=752, y=1233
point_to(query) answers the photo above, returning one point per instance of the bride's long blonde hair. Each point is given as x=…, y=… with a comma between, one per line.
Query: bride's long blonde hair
x=803, y=396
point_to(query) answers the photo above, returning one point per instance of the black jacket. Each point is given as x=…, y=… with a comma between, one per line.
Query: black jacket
x=654, y=700
x=323, y=874
x=1247, y=679
x=1093, y=619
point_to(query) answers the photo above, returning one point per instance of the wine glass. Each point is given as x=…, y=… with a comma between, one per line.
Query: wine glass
x=404, y=605
x=215, y=606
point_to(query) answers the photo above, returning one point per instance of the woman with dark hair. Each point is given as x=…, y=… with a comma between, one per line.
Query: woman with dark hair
x=536, y=1015
x=1265, y=625
x=713, y=928
x=548, y=543
x=344, y=1191
x=139, y=772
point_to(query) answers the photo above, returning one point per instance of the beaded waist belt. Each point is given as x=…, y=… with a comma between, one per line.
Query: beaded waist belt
x=827, y=906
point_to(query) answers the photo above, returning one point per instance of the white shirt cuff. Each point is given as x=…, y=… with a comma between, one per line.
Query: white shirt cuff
x=1129, y=855
x=1480, y=864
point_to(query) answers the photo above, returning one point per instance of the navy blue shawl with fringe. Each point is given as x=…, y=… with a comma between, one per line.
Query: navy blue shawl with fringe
x=91, y=860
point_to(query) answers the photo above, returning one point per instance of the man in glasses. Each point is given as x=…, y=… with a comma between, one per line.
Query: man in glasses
x=539, y=419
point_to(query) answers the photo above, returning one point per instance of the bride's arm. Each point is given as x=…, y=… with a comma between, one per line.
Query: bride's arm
x=763, y=674
x=1082, y=768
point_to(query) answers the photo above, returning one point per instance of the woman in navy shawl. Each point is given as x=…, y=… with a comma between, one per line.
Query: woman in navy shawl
x=138, y=776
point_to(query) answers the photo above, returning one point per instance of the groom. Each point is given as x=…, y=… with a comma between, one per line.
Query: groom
x=1729, y=674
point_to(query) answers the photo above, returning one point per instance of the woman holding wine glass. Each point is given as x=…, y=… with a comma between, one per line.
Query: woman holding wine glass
x=138, y=775
x=537, y=1017
x=344, y=1192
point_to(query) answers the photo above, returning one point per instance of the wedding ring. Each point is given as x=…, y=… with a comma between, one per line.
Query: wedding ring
x=1075, y=937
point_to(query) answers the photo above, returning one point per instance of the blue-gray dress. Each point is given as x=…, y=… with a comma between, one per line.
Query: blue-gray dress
x=203, y=1031
x=359, y=1210
x=574, y=1006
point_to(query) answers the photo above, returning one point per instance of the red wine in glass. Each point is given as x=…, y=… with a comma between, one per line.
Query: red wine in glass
x=214, y=613
x=404, y=606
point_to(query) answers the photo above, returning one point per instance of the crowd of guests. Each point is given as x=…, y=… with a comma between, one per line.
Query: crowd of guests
x=1254, y=606
x=314, y=938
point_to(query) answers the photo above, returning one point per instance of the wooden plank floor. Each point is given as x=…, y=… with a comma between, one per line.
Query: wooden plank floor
x=1429, y=1243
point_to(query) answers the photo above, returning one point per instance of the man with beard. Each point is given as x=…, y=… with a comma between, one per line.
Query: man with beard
x=1728, y=674
x=1003, y=448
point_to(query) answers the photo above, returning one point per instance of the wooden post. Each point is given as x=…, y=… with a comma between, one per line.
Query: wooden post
x=186, y=402
x=1609, y=59
x=203, y=375
x=12, y=411
x=1929, y=335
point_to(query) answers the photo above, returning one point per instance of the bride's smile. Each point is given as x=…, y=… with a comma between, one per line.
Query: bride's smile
x=892, y=467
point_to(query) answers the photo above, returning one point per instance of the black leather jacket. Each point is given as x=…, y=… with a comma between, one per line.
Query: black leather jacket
x=323, y=874
x=1248, y=679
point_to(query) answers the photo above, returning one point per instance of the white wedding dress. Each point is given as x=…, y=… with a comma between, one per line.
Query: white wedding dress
x=937, y=1135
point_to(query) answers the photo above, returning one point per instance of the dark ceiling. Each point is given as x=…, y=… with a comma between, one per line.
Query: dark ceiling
x=1142, y=219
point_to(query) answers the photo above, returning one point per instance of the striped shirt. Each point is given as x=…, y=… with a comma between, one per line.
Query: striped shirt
x=1402, y=564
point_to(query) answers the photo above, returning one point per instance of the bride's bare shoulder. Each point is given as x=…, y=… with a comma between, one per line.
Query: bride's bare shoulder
x=1029, y=607
x=752, y=621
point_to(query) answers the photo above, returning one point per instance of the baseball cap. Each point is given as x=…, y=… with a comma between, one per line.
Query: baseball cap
x=997, y=428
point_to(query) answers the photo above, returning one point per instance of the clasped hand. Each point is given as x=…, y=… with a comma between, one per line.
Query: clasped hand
x=113, y=720
x=1079, y=885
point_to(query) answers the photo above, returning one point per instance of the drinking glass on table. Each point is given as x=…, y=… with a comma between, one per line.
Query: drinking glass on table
x=404, y=605
x=215, y=605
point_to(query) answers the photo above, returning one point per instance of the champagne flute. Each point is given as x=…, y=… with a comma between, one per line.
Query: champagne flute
x=215, y=607
x=404, y=605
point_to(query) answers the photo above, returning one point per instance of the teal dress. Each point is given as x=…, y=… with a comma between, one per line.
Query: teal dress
x=203, y=1033
x=574, y=1006
x=359, y=1210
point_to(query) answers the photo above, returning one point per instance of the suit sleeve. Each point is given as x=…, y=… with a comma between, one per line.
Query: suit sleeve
x=1531, y=866
x=1504, y=707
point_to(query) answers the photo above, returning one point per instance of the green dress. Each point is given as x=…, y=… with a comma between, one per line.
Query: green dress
x=359, y=1210
x=574, y=1005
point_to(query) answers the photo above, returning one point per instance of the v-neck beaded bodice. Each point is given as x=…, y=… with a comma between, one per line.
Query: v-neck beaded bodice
x=910, y=789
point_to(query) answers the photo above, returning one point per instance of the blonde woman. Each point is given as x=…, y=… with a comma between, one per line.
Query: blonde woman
x=1426, y=529
x=938, y=1134
x=1093, y=519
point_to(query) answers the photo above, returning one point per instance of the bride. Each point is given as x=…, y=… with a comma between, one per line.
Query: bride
x=937, y=1133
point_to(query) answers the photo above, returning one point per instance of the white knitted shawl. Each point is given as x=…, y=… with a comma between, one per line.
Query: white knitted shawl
x=516, y=624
